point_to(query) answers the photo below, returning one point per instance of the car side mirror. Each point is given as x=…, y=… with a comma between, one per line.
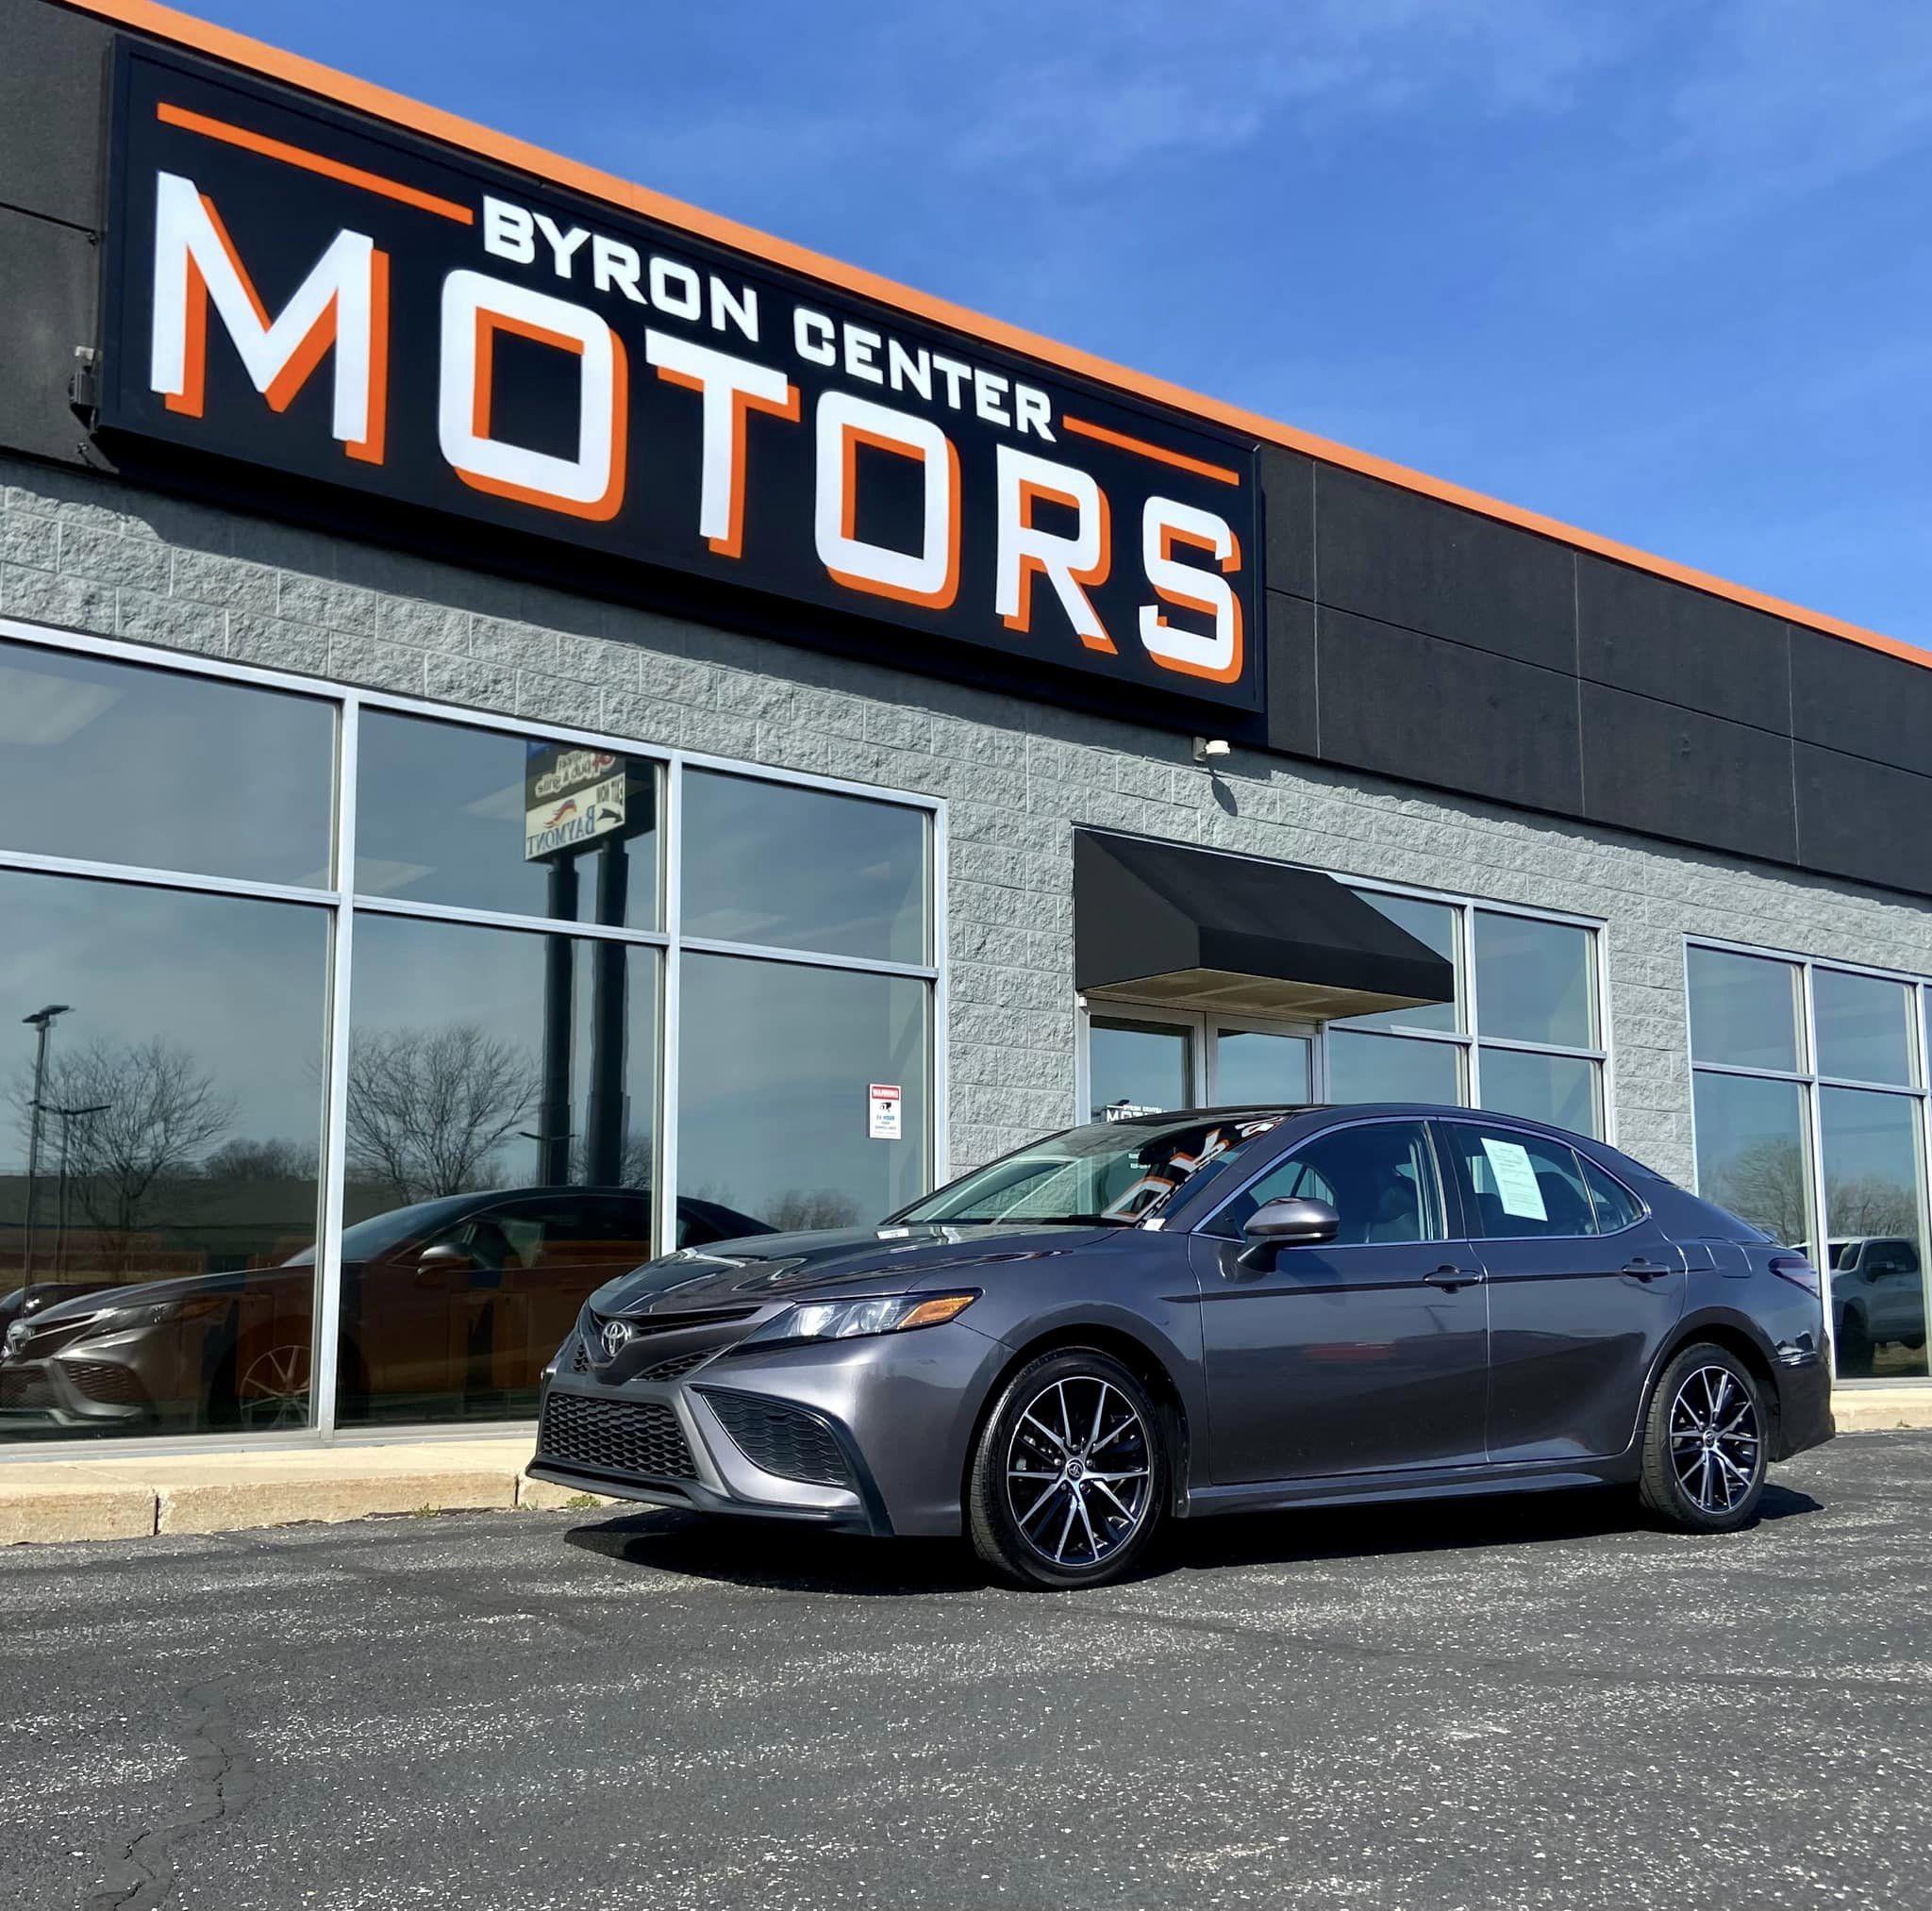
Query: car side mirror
x=444, y=1258
x=1294, y=1223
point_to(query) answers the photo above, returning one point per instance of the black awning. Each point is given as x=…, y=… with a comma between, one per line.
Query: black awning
x=1168, y=923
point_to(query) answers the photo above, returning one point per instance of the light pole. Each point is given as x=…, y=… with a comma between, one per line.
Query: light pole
x=41, y=1020
x=68, y=1117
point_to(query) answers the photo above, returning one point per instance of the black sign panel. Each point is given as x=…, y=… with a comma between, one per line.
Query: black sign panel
x=345, y=303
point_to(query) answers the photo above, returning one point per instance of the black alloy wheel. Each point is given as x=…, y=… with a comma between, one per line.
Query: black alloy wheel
x=1704, y=1443
x=1069, y=1474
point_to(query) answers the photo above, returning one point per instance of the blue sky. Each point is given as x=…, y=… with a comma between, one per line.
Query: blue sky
x=1660, y=269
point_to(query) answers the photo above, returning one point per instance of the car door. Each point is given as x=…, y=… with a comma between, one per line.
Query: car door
x=1367, y=1353
x=1583, y=1287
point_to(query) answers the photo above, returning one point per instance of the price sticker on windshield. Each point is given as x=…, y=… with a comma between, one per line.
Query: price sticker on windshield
x=885, y=1104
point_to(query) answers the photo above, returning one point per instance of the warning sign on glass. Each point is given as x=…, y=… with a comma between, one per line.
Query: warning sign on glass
x=883, y=1123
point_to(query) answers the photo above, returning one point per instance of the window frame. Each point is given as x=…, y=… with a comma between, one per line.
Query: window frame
x=1812, y=1086
x=344, y=906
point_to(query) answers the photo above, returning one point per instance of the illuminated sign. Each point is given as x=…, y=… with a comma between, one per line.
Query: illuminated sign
x=321, y=296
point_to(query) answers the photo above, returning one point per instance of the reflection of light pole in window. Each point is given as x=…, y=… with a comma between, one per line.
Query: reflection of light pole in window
x=43, y=1020
x=68, y=1117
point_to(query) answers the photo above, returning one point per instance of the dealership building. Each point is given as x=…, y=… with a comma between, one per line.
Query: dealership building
x=538, y=726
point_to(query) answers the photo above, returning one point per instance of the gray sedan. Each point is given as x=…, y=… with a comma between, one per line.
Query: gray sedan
x=1172, y=1316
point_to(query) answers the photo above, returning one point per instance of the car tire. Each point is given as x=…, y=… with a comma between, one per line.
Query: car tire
x=1069, y=1479
x=1706, y=1442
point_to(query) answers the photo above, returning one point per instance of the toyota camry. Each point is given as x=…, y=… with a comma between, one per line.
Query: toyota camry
x=1167, y=1317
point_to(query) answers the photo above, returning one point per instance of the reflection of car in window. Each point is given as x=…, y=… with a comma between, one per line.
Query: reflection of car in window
x=1878, y=1299
x=449, y=1306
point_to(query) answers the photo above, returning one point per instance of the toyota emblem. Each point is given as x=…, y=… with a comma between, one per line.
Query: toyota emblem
x=617, y=1336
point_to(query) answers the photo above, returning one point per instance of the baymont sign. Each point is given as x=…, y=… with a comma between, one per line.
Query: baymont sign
x=296, y=290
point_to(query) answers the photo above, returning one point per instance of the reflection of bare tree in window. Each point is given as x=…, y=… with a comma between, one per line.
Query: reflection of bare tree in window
x=634, y=1165
x=428, y=1109
x=809, y=1207
x=1869, y=1203
x=269, y=1160
x=160, y=1111
x=1765, y=1185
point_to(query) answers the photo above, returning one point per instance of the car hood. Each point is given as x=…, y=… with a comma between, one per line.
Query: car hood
x=872, y=1260
x=135, y=1295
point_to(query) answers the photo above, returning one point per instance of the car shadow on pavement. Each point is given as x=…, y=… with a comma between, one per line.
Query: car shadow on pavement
x=788, y=1559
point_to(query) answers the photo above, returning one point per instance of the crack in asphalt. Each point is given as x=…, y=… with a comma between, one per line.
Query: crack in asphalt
x=223, y=1784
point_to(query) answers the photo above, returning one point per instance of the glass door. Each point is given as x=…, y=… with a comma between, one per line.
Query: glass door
x=1137, y=1067
x=1260, y=1064
x=1142, y=1061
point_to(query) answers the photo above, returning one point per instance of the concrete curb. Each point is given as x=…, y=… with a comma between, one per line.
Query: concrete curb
x=126, y=1497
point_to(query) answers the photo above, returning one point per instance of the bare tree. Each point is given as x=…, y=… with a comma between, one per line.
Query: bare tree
x=429, y=1107
x=157, y=1107
x=276, y=1159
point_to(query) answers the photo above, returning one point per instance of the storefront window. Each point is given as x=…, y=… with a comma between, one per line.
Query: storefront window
x=500, y=1102
x=112, y=762
x=1745, y=1010
x=1864, y=1027
x=1388, y=1068
x=1771, y=1130
x=1753, y=1156
x=159, y=1176
x=500, y=1108
x=1533, y=981
x=780, y=1081
x=1874, y=1215
x=486, y=820
x=1434, y=925
x=1541, y=1087
x=1138, y=1067
x=782, y=867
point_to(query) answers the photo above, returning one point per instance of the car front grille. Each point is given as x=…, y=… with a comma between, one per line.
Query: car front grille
x=580, y=1358
x=782, y=1439
x=30, y=1389
x=678, y=1363
x=640, y=1436
x=102, y=1380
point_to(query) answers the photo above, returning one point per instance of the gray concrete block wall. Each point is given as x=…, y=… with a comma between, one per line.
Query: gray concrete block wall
x=89, y=554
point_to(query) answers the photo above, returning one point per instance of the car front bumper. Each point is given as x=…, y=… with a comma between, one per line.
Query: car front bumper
x=862, y=1436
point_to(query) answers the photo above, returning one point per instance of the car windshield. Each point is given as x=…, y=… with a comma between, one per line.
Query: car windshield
x=1107, y=1171
x=381, y=1231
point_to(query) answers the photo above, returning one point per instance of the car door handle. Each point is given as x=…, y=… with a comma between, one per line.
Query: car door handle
x=1450, y=1277
x=1646, y=1269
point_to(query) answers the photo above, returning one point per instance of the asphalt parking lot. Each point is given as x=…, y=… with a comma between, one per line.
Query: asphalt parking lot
x=1507, y=1703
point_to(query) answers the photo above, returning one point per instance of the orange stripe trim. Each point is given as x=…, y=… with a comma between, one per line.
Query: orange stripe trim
x=1199, y=466
x=313, y=162
x=239, y=49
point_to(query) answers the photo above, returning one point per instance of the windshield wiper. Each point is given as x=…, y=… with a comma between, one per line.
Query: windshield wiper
x=1037, y=1220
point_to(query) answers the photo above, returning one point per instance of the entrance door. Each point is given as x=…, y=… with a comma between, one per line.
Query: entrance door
x=1164, y=1060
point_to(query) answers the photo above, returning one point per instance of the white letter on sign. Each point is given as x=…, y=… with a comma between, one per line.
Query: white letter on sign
x=475, y=309
x=731, y=388
x=931, y=577
x=343, y=303
x=1214, y=654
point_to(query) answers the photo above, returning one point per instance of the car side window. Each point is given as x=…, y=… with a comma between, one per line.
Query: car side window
x=1616, y=1206
x=1517, y=1185
x=1378, y=1176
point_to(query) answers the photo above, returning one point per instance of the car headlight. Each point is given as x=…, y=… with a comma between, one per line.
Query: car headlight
x=848, y=1320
